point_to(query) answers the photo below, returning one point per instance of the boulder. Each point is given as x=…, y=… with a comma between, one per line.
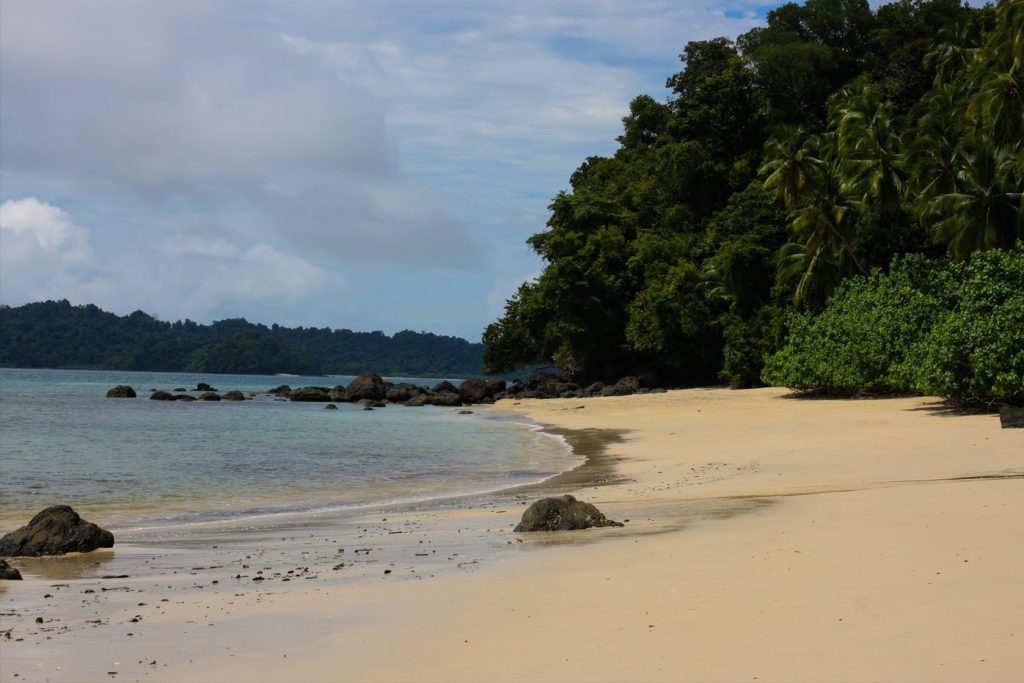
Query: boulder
x=1011, y=417
x=210, y=396
x=517, y=387
x=55, y=531
x=626, y=386
x=330, y=406
x=184, y=397
x=161, y=395
x=479, y=390
x=446, y=398
x=562, y=514
x=337, y=395
x=8, y=573
x=121, y=391
x=594, y=389
x=418, y=401
x=369, y=386
x=372, y=403
x=399, y=393
x=203, y=386
x=234, y=395
x=310, y=394
x=445, y=385
x=282, y=390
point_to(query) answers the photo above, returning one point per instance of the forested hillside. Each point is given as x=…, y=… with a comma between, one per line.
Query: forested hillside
x=821, y=148
x=55, y=334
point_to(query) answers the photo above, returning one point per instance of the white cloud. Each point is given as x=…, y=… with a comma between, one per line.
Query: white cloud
x=50, y=226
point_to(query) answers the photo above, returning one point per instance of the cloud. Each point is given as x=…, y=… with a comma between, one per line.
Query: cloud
x=51, y=227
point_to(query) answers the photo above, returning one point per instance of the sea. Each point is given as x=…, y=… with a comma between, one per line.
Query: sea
x=137, y=465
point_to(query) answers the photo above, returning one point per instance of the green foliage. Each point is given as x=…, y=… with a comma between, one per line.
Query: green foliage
x=936, y=326
x=55, y=334
x=825, y=146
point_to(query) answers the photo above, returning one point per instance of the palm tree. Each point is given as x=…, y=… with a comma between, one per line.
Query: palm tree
x=792, y=167
x=997, y=76
x=985, y=211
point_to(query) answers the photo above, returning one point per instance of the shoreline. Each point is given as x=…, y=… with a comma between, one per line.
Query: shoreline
x=777, y=539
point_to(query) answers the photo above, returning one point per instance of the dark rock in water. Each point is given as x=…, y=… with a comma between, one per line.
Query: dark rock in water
x=282, y=390
x=55, y=531
x=465, y=412
x=446, y=398
x=372, y=403
x=121, y=391
x=310, y=394
x=184, y=397
x=445, y=386
x=369, y=386
x=480, y=390
x=233, y=395
x=8, y=573
x=180, y=389
x=418, y=401
x=337, y=395
x=1011, y=417
x=210, y=396
x=330, y=406
x=626, y=386
x=161, y=395
x=203, y=386
x=399, y=393
x=562, y=514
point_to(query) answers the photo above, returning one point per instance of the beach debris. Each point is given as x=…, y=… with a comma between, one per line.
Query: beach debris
x=8, y=573
x=121, y=391
x=1011, y=417
x=564, y=513
x=55, y=531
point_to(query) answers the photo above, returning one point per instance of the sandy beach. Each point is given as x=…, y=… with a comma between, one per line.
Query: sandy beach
x=768, y=539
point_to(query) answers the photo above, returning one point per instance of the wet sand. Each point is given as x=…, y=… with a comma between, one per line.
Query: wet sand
x=768, y=539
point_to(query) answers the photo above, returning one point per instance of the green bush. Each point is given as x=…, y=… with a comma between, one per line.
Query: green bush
x=950, y=328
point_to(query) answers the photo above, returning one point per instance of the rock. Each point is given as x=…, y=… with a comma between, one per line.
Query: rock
x=475, y=390
x=465, y=412
x=233, y=395
x=161, y=395
x=1011, y=417
x=203, y=386
x=121, y=391
x=446, y=398
x=594, y=389
x=184, y=397
x=626, y=386
x=399, y=393
x=282, y=390
x=8, y=573
x=369, y=386
x=372, y=403
x=330, y=406
x=517, y=387
x=55, y=531
x=562, y=514
x=210, y=396
x=310, y=394
x=418, y=401
x=446, y=386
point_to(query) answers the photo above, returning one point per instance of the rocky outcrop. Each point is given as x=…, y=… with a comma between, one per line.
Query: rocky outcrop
x=480, y=390
x=445, y=386
x=210, y=396
x=282, y=390
x=310, y=394
x=203, y=386
x=161, y=395
x=562, y=514
x=121, y=391
x=8, y=573
x=418, y=401
x=331, y=406
x=400, y=393
x=233, y=395
x=187, y=398
x=1011, y=417
x=626, y=386
x=445, y=398
x=55, y=531
x=369, y=386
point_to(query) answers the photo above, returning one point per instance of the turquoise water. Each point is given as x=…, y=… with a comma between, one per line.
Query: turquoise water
x=136, y=463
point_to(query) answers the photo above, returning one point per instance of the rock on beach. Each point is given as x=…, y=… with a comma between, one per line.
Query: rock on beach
x=55, y=531
x=564, y=513
x=8, y=573
x=121, y=391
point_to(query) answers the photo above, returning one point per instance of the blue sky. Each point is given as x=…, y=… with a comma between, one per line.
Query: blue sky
x=369, y=165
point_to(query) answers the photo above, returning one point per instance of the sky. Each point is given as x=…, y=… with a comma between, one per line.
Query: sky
x=371, y=165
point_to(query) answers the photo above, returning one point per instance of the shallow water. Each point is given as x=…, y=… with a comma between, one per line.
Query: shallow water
x=136, y=464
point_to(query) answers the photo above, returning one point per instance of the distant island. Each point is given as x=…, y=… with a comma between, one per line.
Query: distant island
x=56, y=334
